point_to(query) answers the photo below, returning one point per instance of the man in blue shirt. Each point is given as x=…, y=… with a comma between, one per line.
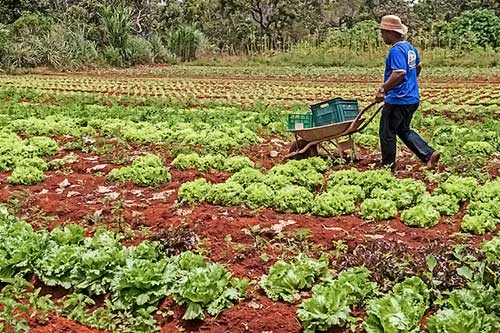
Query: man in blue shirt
x=401, y=96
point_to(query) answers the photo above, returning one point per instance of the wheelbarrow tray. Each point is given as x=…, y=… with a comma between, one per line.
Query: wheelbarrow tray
x=330, y=131
x=311, y=137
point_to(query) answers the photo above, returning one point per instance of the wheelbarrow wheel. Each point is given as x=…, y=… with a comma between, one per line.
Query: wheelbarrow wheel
x=299, y=145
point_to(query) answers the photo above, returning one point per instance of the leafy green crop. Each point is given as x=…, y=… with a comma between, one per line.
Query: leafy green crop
x=332, y=301
x=460, y=320
x=204, y=286
x=216, y=162
x=277, y=182
x=259, y=195
x=188, y=161
x=399, y=311
x=489, y=191
x=405, y=193
x=147, y=170
x=26, y=175
x=294, y=199
x=316, y=163
x=285, y=280
x=142, y=282
x=490, y=208
x=491, y=249
x=376, y=179
x=471, y=309
x=95, y=269
x=237, y=163
x=479, y=148
x=378, y=209
x=379, y=180
x=247, y=176
x=422, y=216
x=136, y=277
x=301, y=173
x=344, y=177
x=277, y=189
x=445, y=204
x=478, y=224
x=462, y=188
x=355, y=191
x=331, y=204
x=41, y=146
x=33, y=162
x=20, y=245
x=194, y=192
x=226, y=194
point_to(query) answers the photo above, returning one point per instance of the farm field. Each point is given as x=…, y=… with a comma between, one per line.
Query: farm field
x=159, y=199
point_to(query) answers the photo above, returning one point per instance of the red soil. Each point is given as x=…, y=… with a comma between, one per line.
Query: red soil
x=84, y=194
x=56, y=324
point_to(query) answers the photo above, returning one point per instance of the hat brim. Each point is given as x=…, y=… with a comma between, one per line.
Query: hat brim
x=403, y=29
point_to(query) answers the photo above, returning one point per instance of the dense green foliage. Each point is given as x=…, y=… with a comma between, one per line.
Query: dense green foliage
x=122, y=33
x=137, y=278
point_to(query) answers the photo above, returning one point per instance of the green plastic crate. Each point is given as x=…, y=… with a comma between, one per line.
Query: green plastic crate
x=350, y=109
x=334, y=111
x=300, y=121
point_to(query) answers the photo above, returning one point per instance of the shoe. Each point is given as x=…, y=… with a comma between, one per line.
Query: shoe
x=433, y=160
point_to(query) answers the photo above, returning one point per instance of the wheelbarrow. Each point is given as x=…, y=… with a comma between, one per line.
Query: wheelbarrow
x=308, y=140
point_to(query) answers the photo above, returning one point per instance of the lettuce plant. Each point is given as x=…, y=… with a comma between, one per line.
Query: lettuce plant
x=285, y=280
x=147, y=170
x=378, y=209
x=331, y=303
x=194, y=192
x=422, y=216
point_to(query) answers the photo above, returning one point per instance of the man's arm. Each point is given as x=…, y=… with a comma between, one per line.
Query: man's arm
x=394, y=80
x=419, y=69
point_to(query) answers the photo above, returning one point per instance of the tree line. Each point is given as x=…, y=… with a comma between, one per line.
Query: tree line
x=114, y=32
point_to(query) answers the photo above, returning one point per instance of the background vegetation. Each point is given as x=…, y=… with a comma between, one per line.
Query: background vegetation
x=71, y=34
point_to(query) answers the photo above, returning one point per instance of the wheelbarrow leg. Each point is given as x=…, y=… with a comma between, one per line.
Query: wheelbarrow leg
x=324, y=147
x=347, y=145
x=301, y=149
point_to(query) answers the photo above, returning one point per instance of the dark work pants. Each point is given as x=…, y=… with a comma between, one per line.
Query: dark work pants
x=396, y=120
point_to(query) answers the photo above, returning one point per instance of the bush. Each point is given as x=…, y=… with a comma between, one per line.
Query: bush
x=139, y=51
x=479, y=27
x=363, y=36
x=21, y=54
x=160, y=52
x=185, y=41
x=112, y=56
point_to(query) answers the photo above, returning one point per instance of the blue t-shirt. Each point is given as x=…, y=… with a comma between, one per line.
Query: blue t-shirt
x=403, y=57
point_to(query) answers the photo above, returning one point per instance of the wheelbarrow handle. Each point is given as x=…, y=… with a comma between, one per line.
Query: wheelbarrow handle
x=370, y=119
x=372, y=104
x=352, y=129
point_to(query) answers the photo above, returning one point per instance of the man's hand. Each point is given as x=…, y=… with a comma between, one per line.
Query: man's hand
x=380, y=95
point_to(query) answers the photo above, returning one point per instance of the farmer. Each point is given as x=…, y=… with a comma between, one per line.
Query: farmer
x=401, y=96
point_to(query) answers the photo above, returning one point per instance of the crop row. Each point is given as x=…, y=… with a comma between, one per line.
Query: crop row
x=251, y=90
x=465, y=149
x=335, y=74
x=375, y=195
x=135, y=279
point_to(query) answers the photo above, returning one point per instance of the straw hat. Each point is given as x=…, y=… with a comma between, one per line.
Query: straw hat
x=393, y=23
